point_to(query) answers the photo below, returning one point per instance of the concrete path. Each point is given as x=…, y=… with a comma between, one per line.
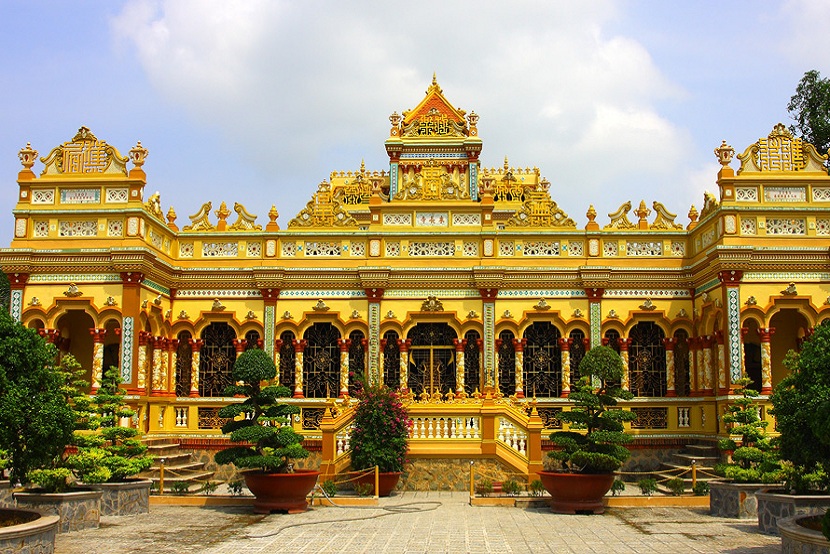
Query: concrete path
x=419, y=523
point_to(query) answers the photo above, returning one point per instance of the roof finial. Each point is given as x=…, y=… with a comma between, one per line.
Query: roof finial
x=434, y=86
x=434, y=79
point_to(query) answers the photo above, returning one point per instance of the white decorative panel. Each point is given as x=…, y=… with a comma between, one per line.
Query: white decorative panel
x=466, y=219
x=115, y=228
x=786, y=226
x=746, y=194
x=506, y=248
x=541, y=248
x=77, y=228
x=729, y=224
x=431, y=248
x=643, y=248
x=393, y=248
x=431, y=219
x=220, y=249
x=253, y=249
x=470, y=248
x=576, y=248
x=358, y=248
x=488, y=247
x=41, y=228
x=821, y=194
x=785, y=194
x=80, y=196
x=593, y=247
x=749, y=226
x=678, y=248
x=20, y=227
x=708, y=237
x=289, y=249
x=397, y=219
x=609, y=248
x=185, y=249
x=132, y=226
x=321, y=248
x=155, y=239
x=43, y=196
x=270, y=248
x=822, y=226
x=117, y=195
x=374, y=248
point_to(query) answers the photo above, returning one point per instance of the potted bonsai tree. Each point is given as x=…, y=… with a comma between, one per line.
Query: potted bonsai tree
x=801, y=405
x=380, y=436
x=582, y=469
x=754, y=458
x=264, y=424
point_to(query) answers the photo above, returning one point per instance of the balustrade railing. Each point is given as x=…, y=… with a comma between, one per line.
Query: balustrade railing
x=445, y=427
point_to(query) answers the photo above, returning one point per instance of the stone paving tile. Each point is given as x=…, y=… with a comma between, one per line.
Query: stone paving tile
x=451, y=526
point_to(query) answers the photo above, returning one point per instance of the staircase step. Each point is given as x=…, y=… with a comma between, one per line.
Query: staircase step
x=702, y=448
x=700, y=460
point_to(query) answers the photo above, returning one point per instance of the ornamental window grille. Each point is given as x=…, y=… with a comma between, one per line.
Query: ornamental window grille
x=577, y=348
x=466, y=219
x=358, y=248
x=216, y=360
x=785, y=226
x=184, y=363
x=432, y=358
x=209, y=419
x=542, y=360
x=708, y=237
x=682, y=381
x=431, y=248
x=252, y=340
x=311, y=418
x=647, y=360
x=41, y=228
x=115, y=228
x=550, y=417
x=289, y=249
x=397, y=219
x=357, y=360
x=822, y=226
x=749, y=226
x=322, y=248
x=43, y=196
x=288, y=360
x=746, y=194
x=470, y=248
x=185, y=249
x=506, y=248
x=821, y=194
x=321, y=361
x=393, y=249
x=609, y=248
x=77, y=228
x=576, y=248
x=472, y=363
x=650, y=418
x=391, y=360
x=678, y=248
x=220, y=249
x=116, y=196
x=612, y=339
x=506, y=352
x=643, y=248
x=253, y=249
x=541, y=248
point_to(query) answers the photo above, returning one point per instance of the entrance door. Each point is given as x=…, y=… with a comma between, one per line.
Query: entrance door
x=432, y=358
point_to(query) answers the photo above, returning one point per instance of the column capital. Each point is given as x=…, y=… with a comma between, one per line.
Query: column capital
x=519, y=344
x=766, y=333
x=344, y=344
x=594, y=293
x=669, y=343
x=488, y=293
x=17, y=280
x=565, y=343
x=695, y=343
x=730, y=277
x=624, y=344
x=239, y=345
x=459, y=344
x=299, y=345
x=196, y=344
x=374, y=293
x=706, y=341
x=131, y=277
x=159, y=343
x=404, y=344
x=173, y=345
x=719, y=337
x=98, y=335
x=269, y=294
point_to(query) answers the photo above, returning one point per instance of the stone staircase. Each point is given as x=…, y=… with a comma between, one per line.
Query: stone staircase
x=178, y=465
x=705, y=457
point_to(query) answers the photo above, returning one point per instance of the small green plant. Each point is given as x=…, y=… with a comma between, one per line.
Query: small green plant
x=329, y=488
x=154, y=487
x=617, y=487
x=677, y=486
x=209, y=487
x=52, y=480
x=180, y=487
x=235, y=487
x=511, y=487
x=536, y=487
x=484, y=487
x=701, y=488
x=648, y=486
x=363, y=489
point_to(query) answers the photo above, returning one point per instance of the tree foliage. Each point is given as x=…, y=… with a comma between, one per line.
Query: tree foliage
x=5, y=291
x=809, y=107
x=37, y=422
x=381, y=430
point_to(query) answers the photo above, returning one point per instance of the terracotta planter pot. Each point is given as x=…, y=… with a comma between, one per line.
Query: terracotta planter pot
x=573, y=493
x=285, y=492
x=36, y=534
x=386, y=481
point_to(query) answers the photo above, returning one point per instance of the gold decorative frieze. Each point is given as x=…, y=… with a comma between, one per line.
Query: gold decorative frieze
x=200, y=221
x=432, y=304
x=244, y=221
x=431, y=182
x=540, y=211
x=323, y=210
x=84, y=154
x=781, y=152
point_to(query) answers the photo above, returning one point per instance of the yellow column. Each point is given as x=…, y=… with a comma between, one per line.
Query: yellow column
x=98, y=336
x=195, y=362
x=766, y=359
x=299, y=347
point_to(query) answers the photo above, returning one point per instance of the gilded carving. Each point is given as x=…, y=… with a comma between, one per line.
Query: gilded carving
x=780, y=151
x=619, y=219
x=153, y=205
x=540, y=211
x=84, y=154
x=244, y=221
x=72, y=291
x=664, y=219
x=200, y=221
x=432, y=304
x=432, y=182
x=323, y=210
x=320, y=306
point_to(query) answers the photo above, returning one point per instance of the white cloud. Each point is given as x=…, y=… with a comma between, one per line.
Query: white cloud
x=302, y=88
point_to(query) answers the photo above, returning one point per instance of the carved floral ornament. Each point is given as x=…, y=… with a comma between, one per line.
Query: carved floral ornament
x=323, y=210
x=432, y=304
x=84, y=154
x=782, y=152
x=540, y=211
x=200, y=221
x=663, y=220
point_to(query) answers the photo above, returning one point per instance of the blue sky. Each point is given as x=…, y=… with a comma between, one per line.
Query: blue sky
x=258, y=101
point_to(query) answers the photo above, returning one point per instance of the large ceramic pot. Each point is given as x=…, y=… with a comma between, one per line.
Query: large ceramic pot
x=774, y=506
x=798, y=539
x=285, y=492
x=573, y=493
x=386, y=481
x=32, y=531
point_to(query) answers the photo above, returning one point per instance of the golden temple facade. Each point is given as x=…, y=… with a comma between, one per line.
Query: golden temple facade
x=466, y=287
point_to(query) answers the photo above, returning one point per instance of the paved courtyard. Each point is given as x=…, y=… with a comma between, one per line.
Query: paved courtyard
x=419, y=523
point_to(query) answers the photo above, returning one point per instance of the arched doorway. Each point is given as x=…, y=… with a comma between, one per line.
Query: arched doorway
x=506, y=351
x=75, y=339
x=790, y=327
x=184, y=363
x=682, y=381
x=288, y=360
x=752, y=354
x=473, y=380
x=391, y=360
x=432, y=358
x=321, y=361
x=647, y=360
x=542, y=361
x=217, y=359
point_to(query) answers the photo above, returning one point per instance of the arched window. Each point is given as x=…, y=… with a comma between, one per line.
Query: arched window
x=577, y=353
x=542, y=360
x=432, y=358
x=288, y=360
x=321, y=361
x=682, y=383
x=184, y=362
x=391, y=360
x=472, y=363
x=507, y=363
x=251, y=340
x=216, y=360
x=357, y=360
x=647, y=360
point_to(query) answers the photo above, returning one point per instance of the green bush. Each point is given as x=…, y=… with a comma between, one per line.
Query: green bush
x=701, y=488
x=330, y=488
x=52, y=480
x=511, y=487
x=209, y=487
x=648, y=486
x=235, y=487
x=617, y=487
x=363, y=489
x=677, y=486
x=484, y=487
x=536, y=487
x=180, y=487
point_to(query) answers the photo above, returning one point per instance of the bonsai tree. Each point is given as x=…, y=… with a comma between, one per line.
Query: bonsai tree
x=111, y=453
x=37, y=421
x=754, y=458
x=600, y=449
x=260, y=419
x=801, y=405
x=381, y=430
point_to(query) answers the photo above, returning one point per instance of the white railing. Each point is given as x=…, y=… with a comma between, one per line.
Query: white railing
x=181, y=416
x=343, y=440
x=513, y=436
x=433, y=427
